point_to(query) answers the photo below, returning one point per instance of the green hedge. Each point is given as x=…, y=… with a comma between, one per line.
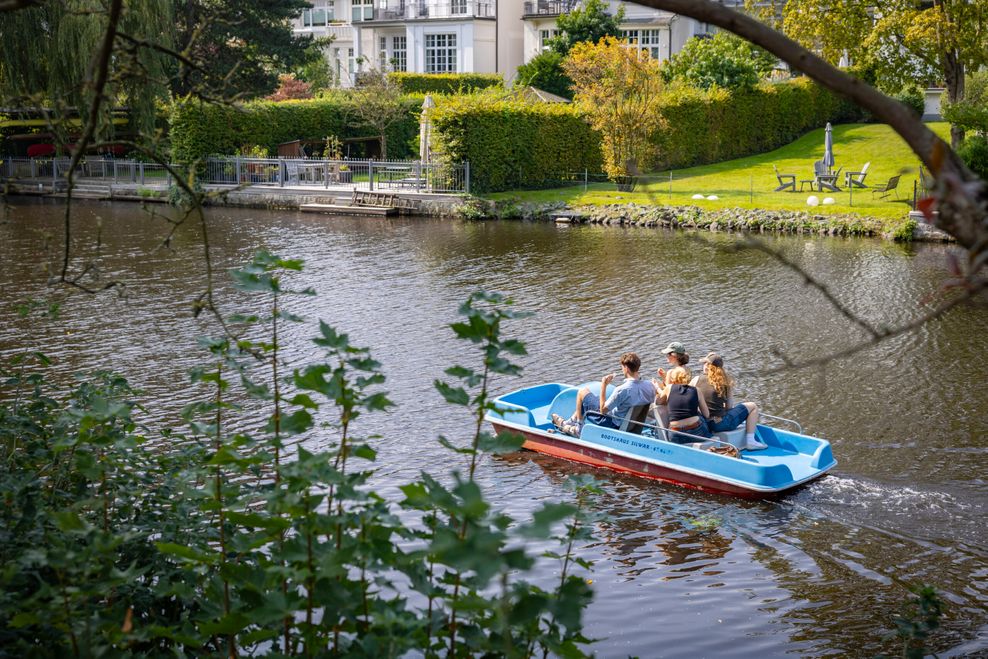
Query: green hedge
x=513, y=144
x=445, y=83
x=197, y=130
x=704, y=127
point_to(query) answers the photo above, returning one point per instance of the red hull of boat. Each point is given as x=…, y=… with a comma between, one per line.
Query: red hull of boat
x=558, y=446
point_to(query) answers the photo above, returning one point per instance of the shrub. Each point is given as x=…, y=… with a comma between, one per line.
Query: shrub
x=912, y=97
x=445, y=83
x=512, y=144
x=545, y=72
x=723, y=61
x=974, y=152
x=198, y=130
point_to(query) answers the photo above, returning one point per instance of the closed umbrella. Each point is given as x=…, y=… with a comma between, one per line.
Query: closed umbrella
x=828, y=147
x=425, y=128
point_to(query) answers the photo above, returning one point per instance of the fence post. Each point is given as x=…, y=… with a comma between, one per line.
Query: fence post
x=466, y=176
x=34, y=169
x=281, y=172
x=370, y=175
x=142, y=173
x=586, y=178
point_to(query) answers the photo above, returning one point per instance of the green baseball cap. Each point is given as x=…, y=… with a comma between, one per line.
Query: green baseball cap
x=675, y=347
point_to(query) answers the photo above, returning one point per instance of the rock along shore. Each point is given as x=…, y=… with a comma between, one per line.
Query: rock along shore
x=912, y=227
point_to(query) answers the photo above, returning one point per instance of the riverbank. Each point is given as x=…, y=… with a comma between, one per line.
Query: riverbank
x=910, y=228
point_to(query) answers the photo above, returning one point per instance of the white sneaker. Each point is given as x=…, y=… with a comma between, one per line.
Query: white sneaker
x=755, y=445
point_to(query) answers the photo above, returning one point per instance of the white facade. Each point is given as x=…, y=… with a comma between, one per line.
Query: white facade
x=465, y=36
x=662, y=33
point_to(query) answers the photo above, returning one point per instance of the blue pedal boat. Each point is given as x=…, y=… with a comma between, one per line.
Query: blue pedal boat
x=791, y=459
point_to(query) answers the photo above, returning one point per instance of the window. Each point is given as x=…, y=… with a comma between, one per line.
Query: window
x=382, y=53
x=545, y=36
x=399, y=54
x=361, y=10
x=647, y=40
x=458, y=7
x=440, y=53
x=351, y=62
x=318, y=16
x=339, y=64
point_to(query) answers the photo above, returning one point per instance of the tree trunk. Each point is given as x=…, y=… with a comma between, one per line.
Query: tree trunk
x=384, y=146
x=953, y=73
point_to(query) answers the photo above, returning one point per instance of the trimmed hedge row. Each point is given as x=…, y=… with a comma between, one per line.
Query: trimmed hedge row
x=513, y=144
x=445, y=83
x=198, y=130
x=704, y=127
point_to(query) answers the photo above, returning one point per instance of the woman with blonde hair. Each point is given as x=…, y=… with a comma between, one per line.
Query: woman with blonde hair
x=687, y=410
x=715, y=386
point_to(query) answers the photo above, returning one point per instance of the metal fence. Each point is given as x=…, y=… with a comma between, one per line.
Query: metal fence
x=364, y=175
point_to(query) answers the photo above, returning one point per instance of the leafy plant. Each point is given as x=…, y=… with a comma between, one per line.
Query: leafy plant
x=250, y=543
x=723, y=60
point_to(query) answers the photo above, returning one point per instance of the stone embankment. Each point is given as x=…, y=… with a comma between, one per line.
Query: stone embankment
x=725, y=219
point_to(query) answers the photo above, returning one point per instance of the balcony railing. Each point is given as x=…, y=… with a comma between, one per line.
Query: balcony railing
x=426, y=9
x=549, y=7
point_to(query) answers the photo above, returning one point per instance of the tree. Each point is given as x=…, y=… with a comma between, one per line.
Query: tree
x=238, y=47
x=907, y=40
x=591, y=23
x=723, y=60
x=545, y=71
x=46, y=51
x=377, y=102
x=316, y=70
x=618, y=88
x=971, y=113
x=290, y=88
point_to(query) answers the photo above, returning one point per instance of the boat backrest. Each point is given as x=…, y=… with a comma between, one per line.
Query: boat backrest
x=634, y=421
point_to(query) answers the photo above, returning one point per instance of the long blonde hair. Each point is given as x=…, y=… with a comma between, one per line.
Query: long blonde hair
x=678, y=375
x=719, y=380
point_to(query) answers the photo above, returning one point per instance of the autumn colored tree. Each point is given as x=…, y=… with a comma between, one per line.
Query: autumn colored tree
x=289, y=88
x=618, y=88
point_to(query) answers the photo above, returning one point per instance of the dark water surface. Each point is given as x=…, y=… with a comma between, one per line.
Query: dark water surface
x=821, y=572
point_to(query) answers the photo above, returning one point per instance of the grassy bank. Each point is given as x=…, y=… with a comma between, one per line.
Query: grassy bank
x=748, y=183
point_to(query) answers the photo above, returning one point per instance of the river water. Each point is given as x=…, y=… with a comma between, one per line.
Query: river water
x=821, y=572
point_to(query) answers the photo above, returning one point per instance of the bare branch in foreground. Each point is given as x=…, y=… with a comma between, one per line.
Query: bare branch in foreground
x=971, y=288
x=13, y=5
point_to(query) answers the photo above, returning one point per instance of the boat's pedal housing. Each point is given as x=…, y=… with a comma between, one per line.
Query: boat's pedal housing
x=733, y=437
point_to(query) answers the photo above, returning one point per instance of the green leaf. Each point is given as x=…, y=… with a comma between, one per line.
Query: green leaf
x=305, y=401
x=364, y=451
x=330, y=338
x=465, y=451
x=454, y=395
x=69, y=522
x=293, y=424
x=24, y=620
x=230, y=624
x=248, y=281
x=545, y=517
x=505, y=442
x=184, y=552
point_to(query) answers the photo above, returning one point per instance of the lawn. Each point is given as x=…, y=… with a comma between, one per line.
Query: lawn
x=749, y=182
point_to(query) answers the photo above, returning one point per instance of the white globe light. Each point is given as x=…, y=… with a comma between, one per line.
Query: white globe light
x=812, y=200
x=713, y=197
x=698, y=196
x=827, y=201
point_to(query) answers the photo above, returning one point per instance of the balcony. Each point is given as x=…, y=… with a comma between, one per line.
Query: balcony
x=541, y=8
x=436, y=9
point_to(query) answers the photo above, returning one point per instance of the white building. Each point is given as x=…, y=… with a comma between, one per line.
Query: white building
x=465, y=36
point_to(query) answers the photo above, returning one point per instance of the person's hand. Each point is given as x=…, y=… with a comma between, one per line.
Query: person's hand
x=662, y=373
x=606, y=380
x=656, y=384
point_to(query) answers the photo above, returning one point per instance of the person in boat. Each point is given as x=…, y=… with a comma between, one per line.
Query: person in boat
x=676, y=355
x=609, y=411
x=715, y=386
x=687, y=410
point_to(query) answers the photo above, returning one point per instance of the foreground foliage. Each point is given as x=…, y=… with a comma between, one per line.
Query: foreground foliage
x=116, y=539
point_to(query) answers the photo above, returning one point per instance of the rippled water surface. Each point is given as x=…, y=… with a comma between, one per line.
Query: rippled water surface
x=821, y=572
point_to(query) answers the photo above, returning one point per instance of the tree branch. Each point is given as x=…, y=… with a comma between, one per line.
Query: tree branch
x=13, y=5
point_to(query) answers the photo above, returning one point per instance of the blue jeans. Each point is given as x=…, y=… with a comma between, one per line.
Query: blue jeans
x=731, y=420
x=591, y=412
x=700, y=431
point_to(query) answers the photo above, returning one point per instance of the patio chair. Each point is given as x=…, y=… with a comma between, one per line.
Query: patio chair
x=887, y=188
x=825, y=179
x=856, y=179
x=785, y=180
